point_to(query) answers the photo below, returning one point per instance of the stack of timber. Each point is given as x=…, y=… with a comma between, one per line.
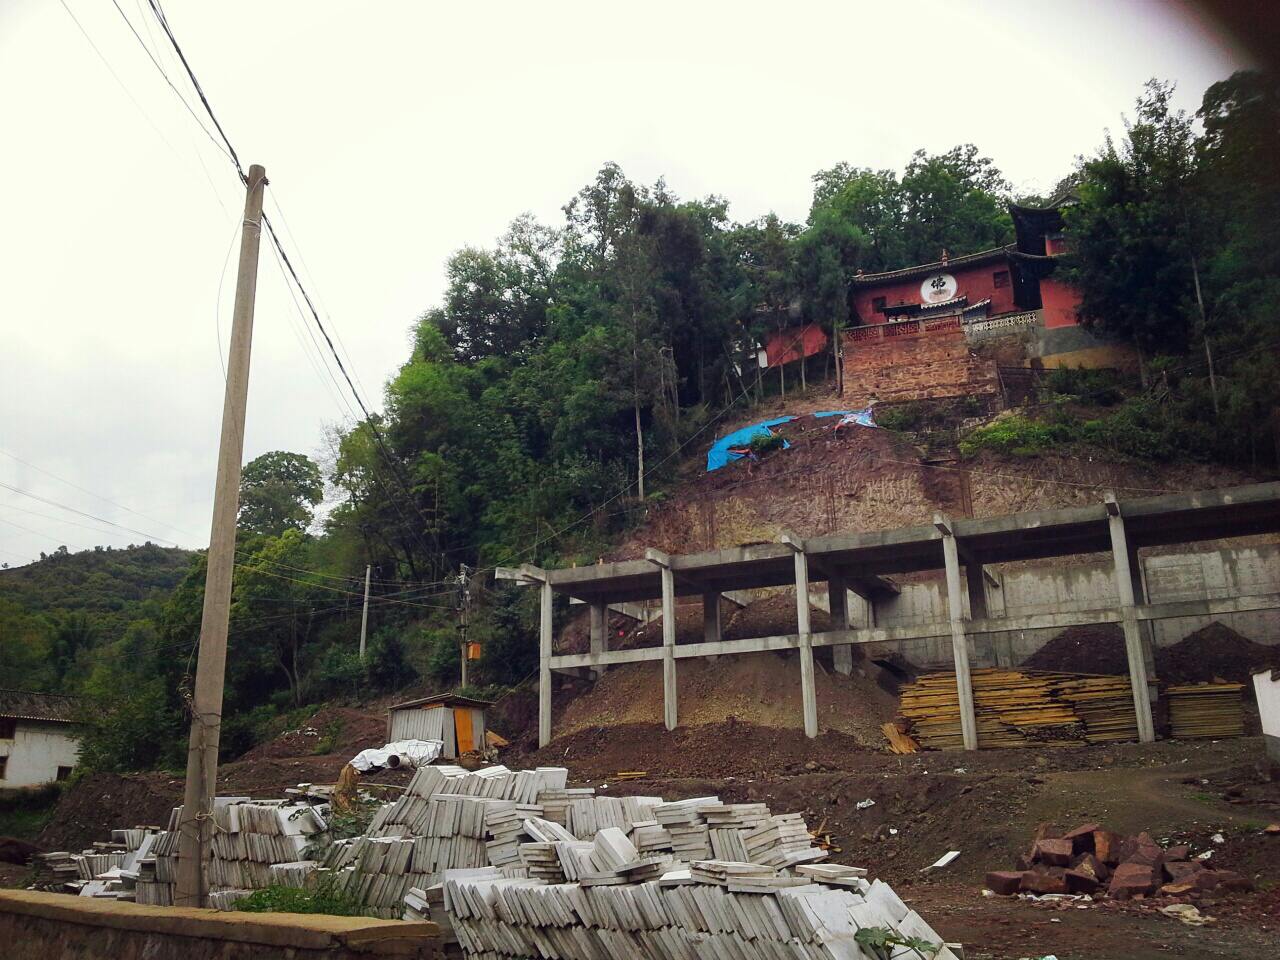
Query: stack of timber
x=1012, y=709
x=1104, y=705
x=1201, y=710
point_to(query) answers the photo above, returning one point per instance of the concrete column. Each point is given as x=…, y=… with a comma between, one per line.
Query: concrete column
x=1146, y=629
x=838, y=594
x=1133, y=645
x=959, y=642
x=712, y=620
x=544, y=667
x=807, y=692
x=669, y=712
x=599, y=634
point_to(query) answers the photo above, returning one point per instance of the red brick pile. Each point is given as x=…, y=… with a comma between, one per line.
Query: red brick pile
x=1096, y=862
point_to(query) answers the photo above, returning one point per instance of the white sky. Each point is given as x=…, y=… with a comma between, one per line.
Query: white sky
x=394, y=133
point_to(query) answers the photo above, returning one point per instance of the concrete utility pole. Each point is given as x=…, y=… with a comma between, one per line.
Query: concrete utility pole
x=195, y=826
x=464, y=613
x=364, y=616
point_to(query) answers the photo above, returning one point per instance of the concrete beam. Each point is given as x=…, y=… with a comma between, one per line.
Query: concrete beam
x=712, y=621
x=599, y=632
x=959, y=642
x=544, y=665
x=808, y=692
x=1133, y=645
x=838, y=601
x=670, y=713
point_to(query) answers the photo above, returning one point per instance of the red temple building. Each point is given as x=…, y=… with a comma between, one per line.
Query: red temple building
x=945, y=329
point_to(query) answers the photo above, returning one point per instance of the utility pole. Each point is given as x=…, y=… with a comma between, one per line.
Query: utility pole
x=464, y=613
x=364, y=616
x=1204, y=332
x=195, y=825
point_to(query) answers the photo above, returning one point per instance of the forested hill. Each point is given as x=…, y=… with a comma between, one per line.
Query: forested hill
x=108, y=584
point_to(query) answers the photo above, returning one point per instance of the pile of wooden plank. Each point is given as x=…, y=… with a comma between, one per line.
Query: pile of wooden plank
x=1104, y=705
x=1200, y=710
x=1012, y=708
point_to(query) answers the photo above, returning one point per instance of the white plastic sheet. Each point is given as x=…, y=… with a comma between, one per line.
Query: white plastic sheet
x=411, y=753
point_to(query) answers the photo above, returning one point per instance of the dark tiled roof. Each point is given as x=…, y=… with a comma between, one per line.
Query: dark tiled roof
x=24, y=705
x=924, y=269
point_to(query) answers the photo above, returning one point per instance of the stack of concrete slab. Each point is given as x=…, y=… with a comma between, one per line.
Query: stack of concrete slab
x=770, y=917
x=588, y=815
x=250, y=837
x=555, y=803
x=690, y=837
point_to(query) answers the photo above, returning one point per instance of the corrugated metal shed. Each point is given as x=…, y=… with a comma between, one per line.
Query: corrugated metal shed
x=457, y=721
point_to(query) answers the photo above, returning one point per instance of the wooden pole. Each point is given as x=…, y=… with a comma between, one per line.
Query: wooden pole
x=195, y=825
x=364, y=615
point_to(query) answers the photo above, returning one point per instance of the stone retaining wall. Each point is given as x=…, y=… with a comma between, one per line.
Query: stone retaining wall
x=45, y=926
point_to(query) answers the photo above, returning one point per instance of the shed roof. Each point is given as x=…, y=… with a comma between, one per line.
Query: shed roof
x=444, y=700
x=28, y=705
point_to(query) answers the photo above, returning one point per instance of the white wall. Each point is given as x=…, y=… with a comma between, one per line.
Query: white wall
x=36, y=752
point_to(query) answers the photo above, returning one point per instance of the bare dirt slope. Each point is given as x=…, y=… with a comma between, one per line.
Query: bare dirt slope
x=858, y=479
x=760, y=689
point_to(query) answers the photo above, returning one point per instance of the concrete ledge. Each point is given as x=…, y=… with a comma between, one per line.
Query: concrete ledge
x=321, y=935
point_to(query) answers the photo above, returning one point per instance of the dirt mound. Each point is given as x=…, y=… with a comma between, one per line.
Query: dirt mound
x=729, y=749
x=98, y=802
x=1095, y=648
x=341, y=730
x=1215, y=651
x=760, y=689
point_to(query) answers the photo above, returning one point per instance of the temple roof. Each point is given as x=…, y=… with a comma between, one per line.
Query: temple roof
x=994, y=255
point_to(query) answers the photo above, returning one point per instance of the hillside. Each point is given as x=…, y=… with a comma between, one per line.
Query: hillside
x=858, y=479
x=106, y=583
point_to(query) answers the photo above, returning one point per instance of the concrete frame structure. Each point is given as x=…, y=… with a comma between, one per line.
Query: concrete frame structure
x=859, y=561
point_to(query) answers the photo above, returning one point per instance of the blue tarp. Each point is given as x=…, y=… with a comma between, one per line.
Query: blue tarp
x=719, y=454
x=721, y=451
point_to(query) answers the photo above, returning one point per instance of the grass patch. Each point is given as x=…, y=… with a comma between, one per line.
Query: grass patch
x=328, y=741
x=327, y=895
x=24, y=813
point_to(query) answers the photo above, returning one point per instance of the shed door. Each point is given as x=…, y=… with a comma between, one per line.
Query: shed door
x=462, y=723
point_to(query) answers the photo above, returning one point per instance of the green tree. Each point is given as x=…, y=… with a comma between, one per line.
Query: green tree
x=1133, y=254
x=278, y=492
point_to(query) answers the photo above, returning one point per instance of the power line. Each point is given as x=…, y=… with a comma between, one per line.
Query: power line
x=284, y=256
x=177, y=92
x=96, y=496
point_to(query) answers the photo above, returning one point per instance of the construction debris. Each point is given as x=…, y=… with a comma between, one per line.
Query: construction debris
x=1094, y=862
x=516, y=864
x=1201, y=710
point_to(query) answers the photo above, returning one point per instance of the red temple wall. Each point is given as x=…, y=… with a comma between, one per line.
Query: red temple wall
x=977, y=283
x=932, y=363
x=1059, y=302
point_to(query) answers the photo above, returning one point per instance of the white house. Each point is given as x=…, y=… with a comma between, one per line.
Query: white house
x=39, y=738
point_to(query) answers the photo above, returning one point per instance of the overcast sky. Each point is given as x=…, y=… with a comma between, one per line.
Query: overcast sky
x=394, y=133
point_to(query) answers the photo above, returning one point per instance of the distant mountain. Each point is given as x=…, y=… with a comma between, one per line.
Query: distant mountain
x=106, y=583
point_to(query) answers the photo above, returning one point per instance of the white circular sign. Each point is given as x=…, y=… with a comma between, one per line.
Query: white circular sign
x=939, y=287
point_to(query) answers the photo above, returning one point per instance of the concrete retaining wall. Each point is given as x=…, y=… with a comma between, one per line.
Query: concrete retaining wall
x=1212, y=574
x=45, y=926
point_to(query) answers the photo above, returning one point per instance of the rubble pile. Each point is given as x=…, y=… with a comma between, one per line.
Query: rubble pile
x=111, y=869
x=1095, y=862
